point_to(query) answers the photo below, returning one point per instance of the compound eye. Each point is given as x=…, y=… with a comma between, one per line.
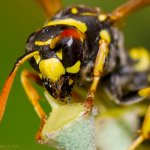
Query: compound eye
x=72, y=52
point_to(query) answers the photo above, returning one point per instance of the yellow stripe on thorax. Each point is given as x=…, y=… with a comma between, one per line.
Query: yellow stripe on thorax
x=142, y=56
x=88, y=14
x=81, y=26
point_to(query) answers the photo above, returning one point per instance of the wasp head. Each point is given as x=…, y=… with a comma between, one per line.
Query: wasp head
x=62, y=51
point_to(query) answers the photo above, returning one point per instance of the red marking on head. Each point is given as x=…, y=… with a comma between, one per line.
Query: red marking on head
x=73, y=33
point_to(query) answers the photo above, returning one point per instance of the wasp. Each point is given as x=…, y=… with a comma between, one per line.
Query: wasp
x=82, y=46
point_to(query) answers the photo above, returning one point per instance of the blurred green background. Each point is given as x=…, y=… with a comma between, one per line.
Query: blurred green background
x=17, y=20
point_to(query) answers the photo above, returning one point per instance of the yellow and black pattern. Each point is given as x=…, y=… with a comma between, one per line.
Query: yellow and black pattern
x=68, y=44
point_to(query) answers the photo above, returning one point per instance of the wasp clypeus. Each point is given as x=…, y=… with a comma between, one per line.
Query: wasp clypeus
x=81, y=45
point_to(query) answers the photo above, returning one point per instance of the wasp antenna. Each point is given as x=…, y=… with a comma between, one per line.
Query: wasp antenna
x=129, y=7
x=49, y=5
x=9, y=81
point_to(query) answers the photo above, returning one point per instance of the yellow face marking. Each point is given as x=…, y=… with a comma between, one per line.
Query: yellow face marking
x=70, y=81
x=59, y=54
x=54, y=41
x=51, y=68
x=51, y=42
x=142, y=56
x=75, y=68
x=105, y=35
x=102, y=17
x=69, y=21
x=40, y=75
x=42, y=43
x=74, y=10
x=37, y=58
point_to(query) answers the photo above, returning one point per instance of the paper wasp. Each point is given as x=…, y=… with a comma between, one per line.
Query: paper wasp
x=81, y=44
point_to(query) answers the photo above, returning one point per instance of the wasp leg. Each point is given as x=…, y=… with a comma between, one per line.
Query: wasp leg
x=145, y=130
x=97, y=72
x=125, y=84
x=50, y=7
x=127, y=8
x=32, y=94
